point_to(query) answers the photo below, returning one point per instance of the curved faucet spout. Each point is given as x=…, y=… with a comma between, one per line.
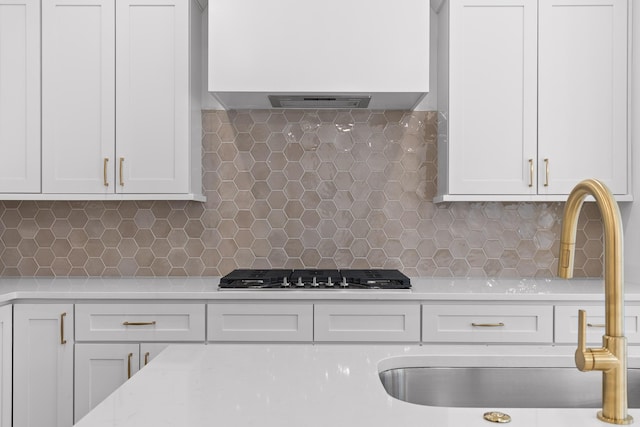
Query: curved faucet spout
x=611, y=359
x=613, y=256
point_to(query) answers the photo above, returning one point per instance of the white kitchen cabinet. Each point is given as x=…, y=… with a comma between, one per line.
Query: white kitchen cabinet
x=121, y=113
x=115, y=340
x=140, y=322
x=487, y=323
x=78, y=82
x=20, y=99
x=6, y=365
x=99, y=370
x=265, y=322
x=582, y=94
x=368, y=322
x=148, y=351
x=566, y=323
x=43, y=365
x=531, y=102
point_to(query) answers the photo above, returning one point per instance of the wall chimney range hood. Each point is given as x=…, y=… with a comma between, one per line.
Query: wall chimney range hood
x=318, y=54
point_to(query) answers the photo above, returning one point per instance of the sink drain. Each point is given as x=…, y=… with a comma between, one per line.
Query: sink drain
x=497, y=417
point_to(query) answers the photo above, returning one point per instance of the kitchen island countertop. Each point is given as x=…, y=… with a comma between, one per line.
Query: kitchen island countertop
x=313, y=386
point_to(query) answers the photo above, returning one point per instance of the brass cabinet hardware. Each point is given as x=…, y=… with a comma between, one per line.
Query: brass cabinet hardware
x=530, y=172
x=596, y=325
x=153, y=322
x=488, y=325
x=546, y=172
x=121, y=171
x=62, y=340
x=146, y=358
x=104, y=171
x=129, y=365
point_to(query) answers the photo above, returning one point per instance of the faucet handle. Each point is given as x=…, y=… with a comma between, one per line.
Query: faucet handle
x=583, y=356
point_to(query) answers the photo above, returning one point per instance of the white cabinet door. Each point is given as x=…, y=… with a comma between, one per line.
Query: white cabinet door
x=152, y=99
x=366, y=322
x=99, y=370
x=150, y=350
x=19, y=96
x=6, y=351
x=263, y=322
x=78, y=118
x=492, y=96
x=140, y=322
x=43, y=365
x=487, y=323
x=583, y=93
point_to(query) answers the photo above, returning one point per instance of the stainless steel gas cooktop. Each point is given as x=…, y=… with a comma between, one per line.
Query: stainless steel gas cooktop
x=315, y=279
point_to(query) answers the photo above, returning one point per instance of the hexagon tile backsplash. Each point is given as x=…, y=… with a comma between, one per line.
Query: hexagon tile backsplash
x=294, y=189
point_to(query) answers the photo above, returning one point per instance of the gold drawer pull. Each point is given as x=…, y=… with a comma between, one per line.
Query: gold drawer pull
x=596, y=325
x=139, y=323
x=121, y=171
x=488, y=325
x=146, y=358
x=129, y=365
x=62, y=339
x=546, y=172
x=104, y=172
x=530, y=172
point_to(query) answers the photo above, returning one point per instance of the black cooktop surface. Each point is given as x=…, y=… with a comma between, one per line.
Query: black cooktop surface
x=315, y=279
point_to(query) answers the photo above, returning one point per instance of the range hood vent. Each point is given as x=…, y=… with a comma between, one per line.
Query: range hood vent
x=315, y=101
x=370, y=54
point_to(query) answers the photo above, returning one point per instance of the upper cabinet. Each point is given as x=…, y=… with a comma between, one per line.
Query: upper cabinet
x=19, y=96
x=532, y=98
x=120, y=100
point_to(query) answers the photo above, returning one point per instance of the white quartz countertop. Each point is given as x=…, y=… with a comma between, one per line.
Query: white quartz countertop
x=314, y=386
x=206, y=288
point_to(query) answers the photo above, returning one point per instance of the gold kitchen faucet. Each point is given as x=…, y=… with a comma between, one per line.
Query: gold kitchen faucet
x=611, y=358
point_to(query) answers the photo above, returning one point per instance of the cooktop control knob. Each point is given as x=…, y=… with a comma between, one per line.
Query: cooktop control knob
x=329, y=283
x=344, y=283
x=285, y=283
x=300, y=284
x=314, y=282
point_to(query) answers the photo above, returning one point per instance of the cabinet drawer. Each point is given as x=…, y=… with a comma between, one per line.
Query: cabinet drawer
x=487, y=323
x=260, y=322
x=140, y=322
x=367, y=322
x=566, y=324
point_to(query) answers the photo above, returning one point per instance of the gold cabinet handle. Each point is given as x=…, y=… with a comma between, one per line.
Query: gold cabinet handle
x=546, y=172
x=62, y=340
x=121, y=171
x=146, y=358
x=129, y=365
x=596, y=325
x=530, y=172
x=488, y=325
x=104, y=171
x=153, y=322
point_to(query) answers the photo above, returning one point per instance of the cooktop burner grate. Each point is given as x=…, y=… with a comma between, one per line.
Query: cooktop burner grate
x=315, y=279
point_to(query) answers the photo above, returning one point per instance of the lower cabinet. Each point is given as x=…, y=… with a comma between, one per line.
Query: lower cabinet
x=367, y=322
x=487, y=323
x=101, y=368
x=43, y=365
x=115, y=340
x=6, y=357
x=260, y=322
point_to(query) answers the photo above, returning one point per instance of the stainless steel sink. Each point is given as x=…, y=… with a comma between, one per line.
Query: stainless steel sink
x=502, y=387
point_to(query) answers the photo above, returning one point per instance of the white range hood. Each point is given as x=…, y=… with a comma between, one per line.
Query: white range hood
x=319, y=54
